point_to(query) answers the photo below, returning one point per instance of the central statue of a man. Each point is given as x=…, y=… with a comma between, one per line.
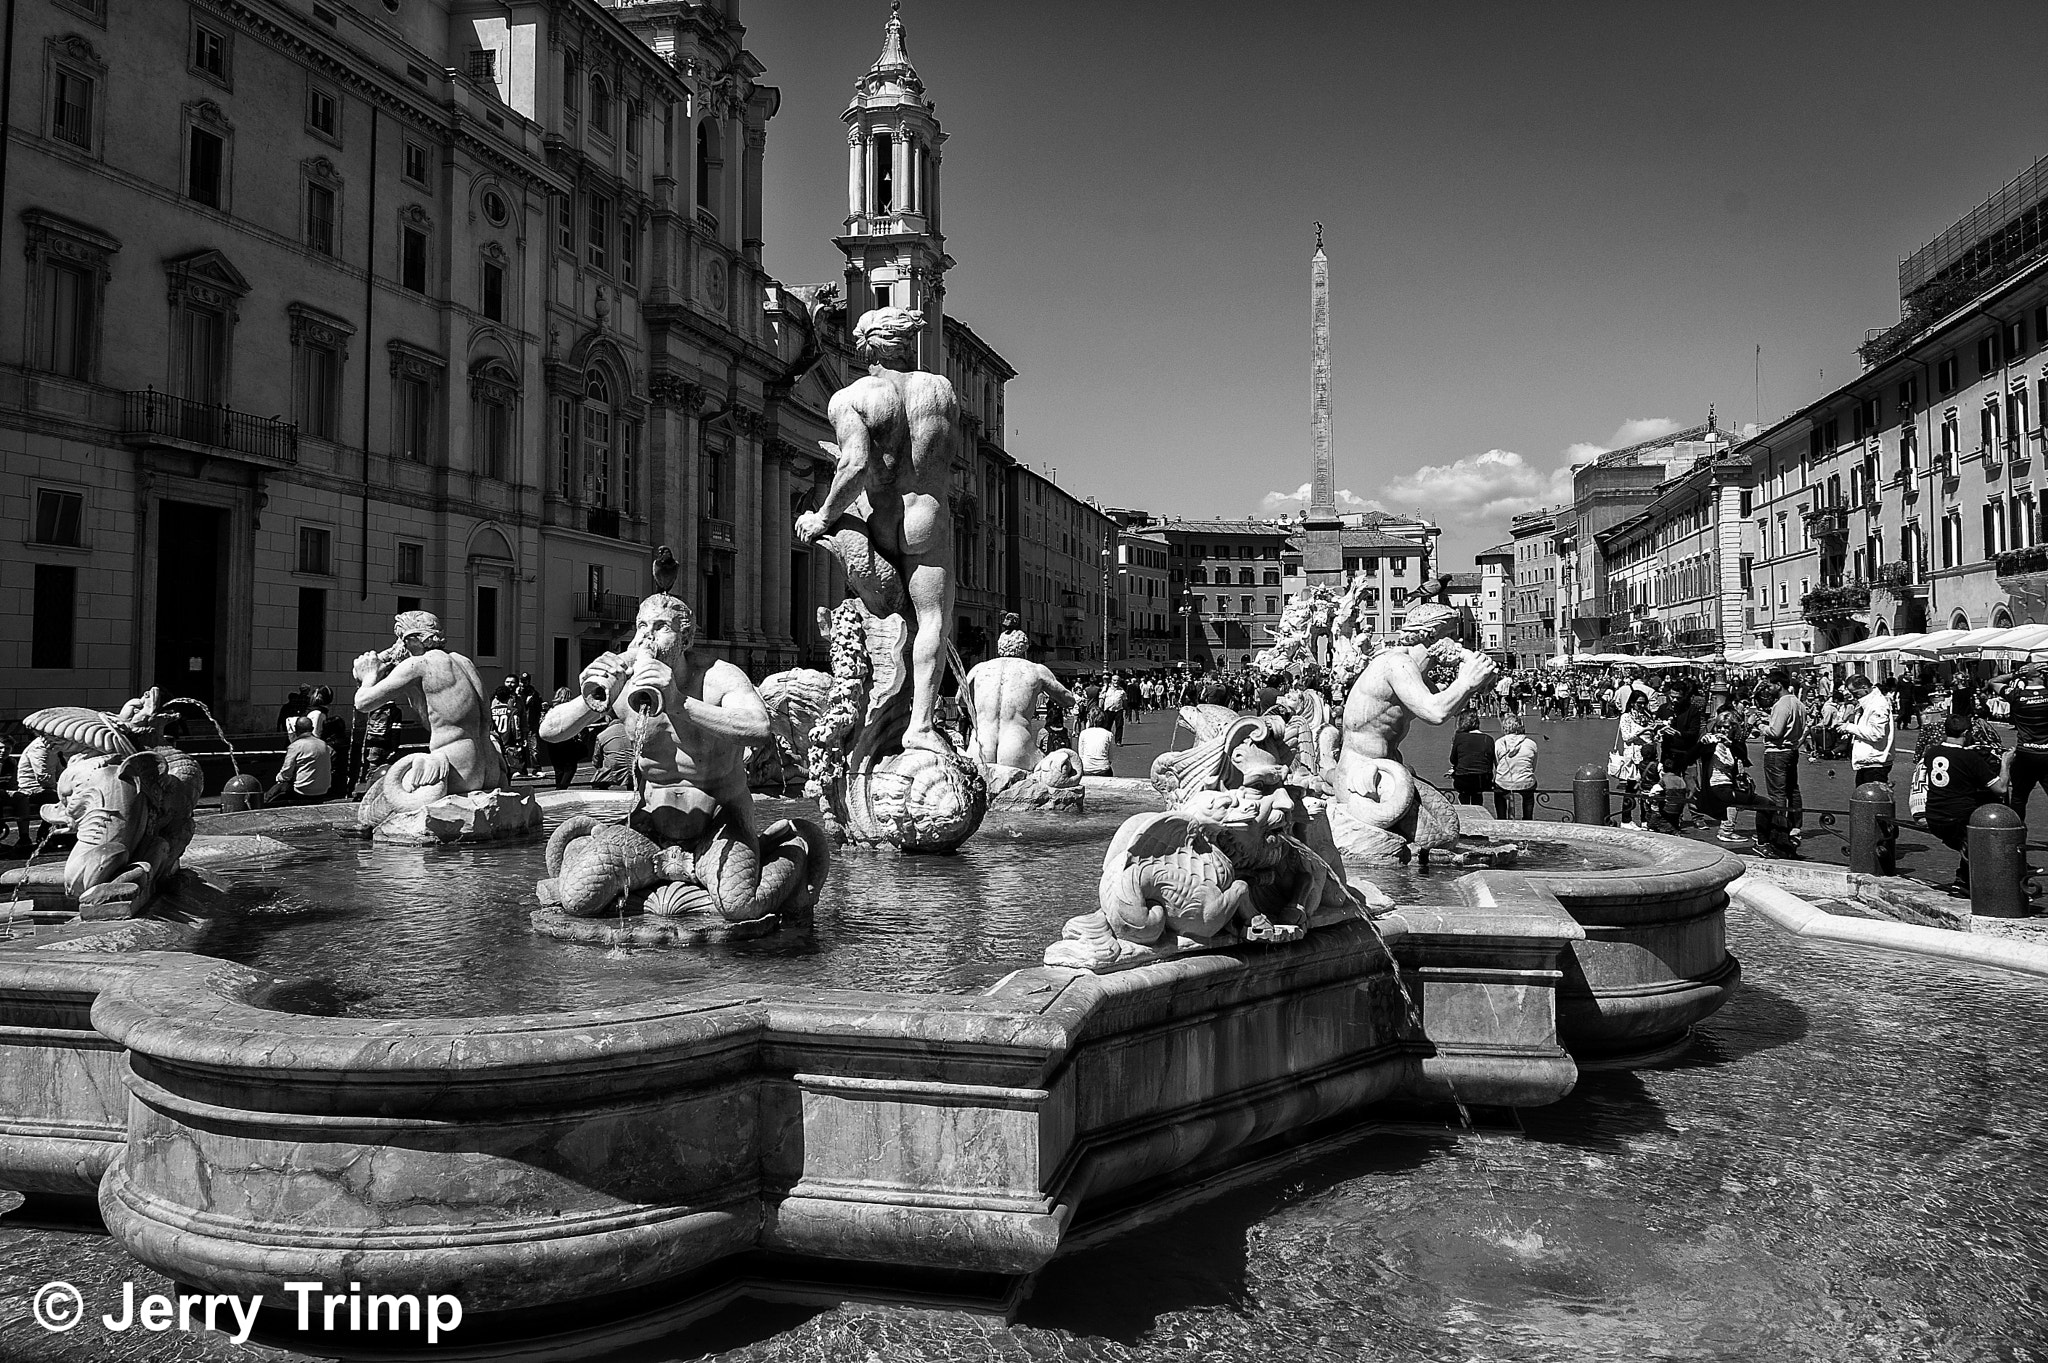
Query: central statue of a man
x=893, y=432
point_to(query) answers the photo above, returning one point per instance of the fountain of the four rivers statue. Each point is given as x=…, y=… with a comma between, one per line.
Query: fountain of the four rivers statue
x=700, y=1051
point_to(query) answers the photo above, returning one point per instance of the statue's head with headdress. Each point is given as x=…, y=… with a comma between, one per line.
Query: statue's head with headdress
x=419, y=631
x=888, y=337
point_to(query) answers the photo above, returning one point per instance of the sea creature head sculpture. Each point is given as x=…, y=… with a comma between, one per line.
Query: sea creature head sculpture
x=887, y=335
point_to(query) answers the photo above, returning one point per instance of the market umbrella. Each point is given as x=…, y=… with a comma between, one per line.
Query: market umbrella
x=1972, y=641
x=2020, y=639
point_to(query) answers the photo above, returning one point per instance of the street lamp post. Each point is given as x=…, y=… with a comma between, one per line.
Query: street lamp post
x=1105, y=605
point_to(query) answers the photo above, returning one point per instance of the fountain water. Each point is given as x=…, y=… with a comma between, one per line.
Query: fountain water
x=188, y=702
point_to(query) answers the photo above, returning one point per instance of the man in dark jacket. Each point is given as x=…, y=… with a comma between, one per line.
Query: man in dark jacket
x=1471, y=761
x=1679, y=752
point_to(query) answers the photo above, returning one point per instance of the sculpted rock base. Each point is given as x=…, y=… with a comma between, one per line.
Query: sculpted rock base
x=486, y=816
x=1054, y=785
x=918, y=800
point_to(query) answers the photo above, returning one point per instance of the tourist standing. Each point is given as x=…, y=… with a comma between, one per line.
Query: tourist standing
x=1778, y=824
x=564, y=756
x=1113, y=700
x=1678, y=750
x=1633, y=762
x=1471, y=761
x=1871, y=732
x=1960, y=776
x=1514, y=770
x=508, y=722
x=2028, y=710
x=308, y=771
x=1721, y=759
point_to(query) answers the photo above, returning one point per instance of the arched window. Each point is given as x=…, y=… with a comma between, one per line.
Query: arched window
x=494, y=397
x=600, y=106
x=885, y=174
x=704, y=167
x=597, y=442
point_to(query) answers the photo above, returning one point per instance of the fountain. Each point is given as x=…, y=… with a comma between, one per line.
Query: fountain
x=456, y=791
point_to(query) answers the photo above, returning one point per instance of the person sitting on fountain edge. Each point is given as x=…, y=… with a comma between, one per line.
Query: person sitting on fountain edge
x=308, y=771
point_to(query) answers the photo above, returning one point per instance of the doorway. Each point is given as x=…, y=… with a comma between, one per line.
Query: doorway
x=189, y=543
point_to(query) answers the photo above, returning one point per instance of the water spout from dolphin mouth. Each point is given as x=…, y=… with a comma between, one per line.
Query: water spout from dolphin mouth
x=234, y=758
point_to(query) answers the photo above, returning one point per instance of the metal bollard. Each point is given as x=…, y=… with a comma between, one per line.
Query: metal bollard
x=241, y=793
x=1589, y=794
x=1872, y=814
x=1998, y=862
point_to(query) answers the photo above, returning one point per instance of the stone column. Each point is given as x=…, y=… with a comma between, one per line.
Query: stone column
x=775, y=532
x=856, y=197
x=899, y=153
x=869, y=201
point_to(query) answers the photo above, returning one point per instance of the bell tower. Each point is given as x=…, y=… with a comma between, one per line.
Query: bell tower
x=895, y=250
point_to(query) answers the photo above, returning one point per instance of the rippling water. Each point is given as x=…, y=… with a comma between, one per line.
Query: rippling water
x=1852, y=1164
x=427, y=932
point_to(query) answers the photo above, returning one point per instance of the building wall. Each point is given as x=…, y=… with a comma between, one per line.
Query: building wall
x=1532, y=625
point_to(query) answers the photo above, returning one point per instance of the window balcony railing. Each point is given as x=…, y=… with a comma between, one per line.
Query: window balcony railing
x=716, y=533
x=1827, y=603
x=603, y=520
x=611, y=607
x=149, y=416
x=1829, y=522
x=2022, y=562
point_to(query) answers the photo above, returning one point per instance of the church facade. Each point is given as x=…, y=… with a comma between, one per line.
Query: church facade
x=357, y=311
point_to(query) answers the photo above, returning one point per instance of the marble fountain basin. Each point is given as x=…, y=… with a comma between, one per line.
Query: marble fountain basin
x=542, y=1163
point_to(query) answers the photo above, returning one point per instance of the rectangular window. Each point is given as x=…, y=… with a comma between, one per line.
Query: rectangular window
x=483, y=64
x=209, y=52
x=497, y=438
x=486, y=622
x=56, y=597
x=416, y=163
x=312, y=630
x=1945, y=375
x=412, y=563
x=565, y=451
x=415, y=418
x=412, y=261
x=1987, y=354
x=494, y=292
x=629, y=465
x=71, y=108
x=565, y=222
x=320, y=219
x=634, y=113
x=628, y=241
x=323, y=116
x=60, y=517
x=204, y=159
x=66, y=325
x=2015, y=339
x=316, y=550
x=599, y=234
x=320, y=400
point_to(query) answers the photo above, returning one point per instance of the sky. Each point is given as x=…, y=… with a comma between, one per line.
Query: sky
x=1552, y=228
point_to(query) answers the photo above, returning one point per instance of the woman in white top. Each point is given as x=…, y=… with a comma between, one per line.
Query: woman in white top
x=1514, y=769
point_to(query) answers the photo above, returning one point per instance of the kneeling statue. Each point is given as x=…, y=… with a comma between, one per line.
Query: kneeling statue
x=690, y=842
x=1003, y=696
x=456, y=790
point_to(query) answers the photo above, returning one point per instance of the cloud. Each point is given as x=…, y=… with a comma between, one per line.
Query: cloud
x=1637, y=429
x=1273, y=503
x=1495, y=484
x=1581, y=451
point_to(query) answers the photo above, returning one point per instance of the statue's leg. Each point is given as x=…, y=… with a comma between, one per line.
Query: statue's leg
x=931, y=596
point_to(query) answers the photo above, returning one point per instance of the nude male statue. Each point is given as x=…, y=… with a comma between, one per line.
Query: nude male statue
x=442, y=688
x=894, y=431
x=1373, y=788
x=1003, y=695
x=697, y=716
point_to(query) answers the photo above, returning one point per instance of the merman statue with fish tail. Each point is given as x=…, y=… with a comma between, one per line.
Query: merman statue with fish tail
x=691, y=840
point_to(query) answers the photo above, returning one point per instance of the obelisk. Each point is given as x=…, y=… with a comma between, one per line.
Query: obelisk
x=1322, y=549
